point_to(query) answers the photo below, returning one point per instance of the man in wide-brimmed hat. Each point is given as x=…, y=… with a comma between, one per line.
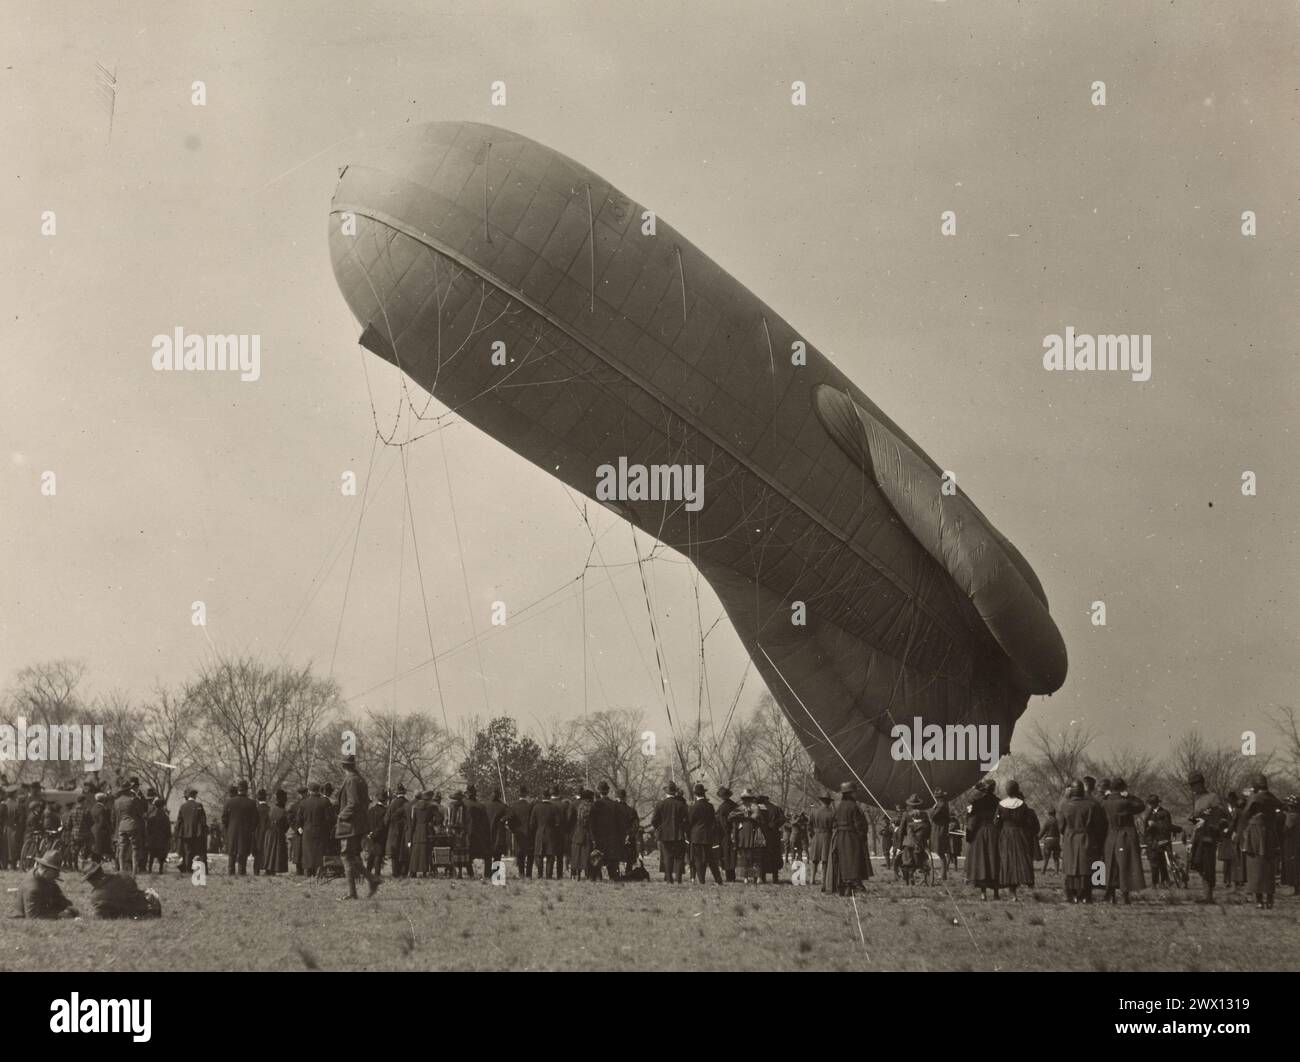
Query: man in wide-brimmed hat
x=352, y=824
x=39, y=895
x=940, y=838
x=671, y=823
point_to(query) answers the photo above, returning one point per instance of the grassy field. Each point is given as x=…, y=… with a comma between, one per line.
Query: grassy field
x=285, y=923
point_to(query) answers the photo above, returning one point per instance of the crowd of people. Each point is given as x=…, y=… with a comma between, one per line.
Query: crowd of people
x=1095, y=836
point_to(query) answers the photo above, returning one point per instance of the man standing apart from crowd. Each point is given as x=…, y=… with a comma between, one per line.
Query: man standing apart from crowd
x=352, y=824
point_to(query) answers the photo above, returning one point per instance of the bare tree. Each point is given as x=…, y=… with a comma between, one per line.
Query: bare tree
x=779, y=754
x=46, y=694
x=1287, y=720
x=149, y=740
x=416, y=747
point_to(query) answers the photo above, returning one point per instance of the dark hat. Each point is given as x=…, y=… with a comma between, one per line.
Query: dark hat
x=1259, y=782
x=1196, y=778
x=314, y=787
x=471, y=792
x=671, y=787
x=620, y=793
x=1118, y=784
x=746, y=794
x=1153, y=799
x=242, y=786
x=586, y=794
x=94, y=874
x=914, y=801
x=724, y=792
x=401, y=788
x=1013, y=788
x=458, y=795
x=261, y=794
x=348, y=761
x=151, y=793
x=825, y=798
x=846, y=788
x=603, y=787
x=302, y=791
x=50, y=860
x=194, y=792
x=699, y=790
x=1089, y=780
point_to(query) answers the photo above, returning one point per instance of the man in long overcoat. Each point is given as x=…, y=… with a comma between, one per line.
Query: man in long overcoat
x=671, y=823
x=192, y=832
x=548, y=837
x=315, y=814
x=607, y=831
x=849, y=866
x=295, y=830
x=726, y=847
x=1076, y=813
x=239, y=820
x=478, y=835
x=498, y=815
x=631, y=821
x=521, y=816
x=702, y=829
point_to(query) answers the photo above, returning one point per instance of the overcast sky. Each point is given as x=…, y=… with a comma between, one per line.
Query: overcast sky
x=175, y=488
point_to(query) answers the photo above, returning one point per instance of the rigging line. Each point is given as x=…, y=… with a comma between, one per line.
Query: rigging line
x=464, y=575
x=397, y=621
x=338, y=633
x=335, y=550
x=855, y=774
x=424, y=596
x=681, y=275
x=487, y=231
x=654, y=636
x=591, y=239
x=771, y=355
x=735, y=701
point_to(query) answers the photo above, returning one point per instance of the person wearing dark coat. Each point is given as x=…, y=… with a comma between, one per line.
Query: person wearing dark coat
x=1122, y=852
x=1017, y=828
x=39, y=895
x=702, y=829
x=564, y=813
x=671, y=826
x=421, y=825
x=914, y=843
x=726, y=849
x=631, y=821
x=118, y=896
x=774, y=828
x=982, y=861
x=101, y=828
x=746, y=823
x=1076, y=812
x=1239, y=824
x=315, y=814
x=1262, y=843
x=259, y=831
x=498, y=829
x=478, y=834
x=192, y=832
x=940, y=838
x=1049, y=840
x=15, y=825
x=849, y=867
x=580, y=840
x=158, y=835
x=1157, y=832
x=126, y=826
x=607, y=831
x=294, y=826
x=1210, y=824
x=820, y=823
x=544, y=826
x=377, y=835
x=521, y=819
x=275, y=845
x=397, y=843
x=239, y=820
x=1291, y=845
x=351, y=824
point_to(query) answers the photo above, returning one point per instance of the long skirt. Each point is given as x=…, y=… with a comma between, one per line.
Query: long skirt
x=982, y=861
x=1015, y=857
x=750, y=862
x=1124, y=860
x=275, y=853
x=421, y=857
x=1261, y=874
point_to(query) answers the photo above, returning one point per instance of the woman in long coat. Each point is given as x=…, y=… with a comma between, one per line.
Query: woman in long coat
x=1262, y=842
x=982, y=862
x=275, y=845
x=421, y=836
x=747, y=826
x=314, y=817
x=1123, y=853
x=1017, y=829
x=1239, y=823
x=1291, y=845
x=849, y=866
x=1076, y=814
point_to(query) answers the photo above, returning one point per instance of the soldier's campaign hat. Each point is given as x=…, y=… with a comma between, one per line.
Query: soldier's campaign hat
x=349, y=761
x=846, y=787
x=49, y=860
x=724, y=792
x=699, y=790
x=914, y=801
x=93, y=875
x=825, y=798
x=1196, y=778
